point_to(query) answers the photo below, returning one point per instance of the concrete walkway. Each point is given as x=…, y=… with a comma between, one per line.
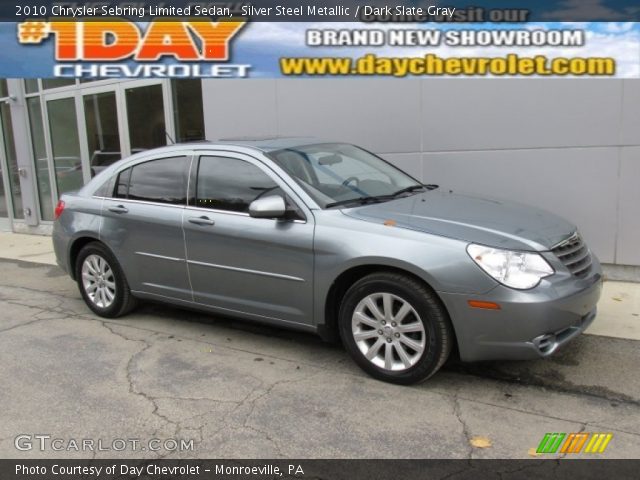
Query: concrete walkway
x=618, y=316
x=28, y=248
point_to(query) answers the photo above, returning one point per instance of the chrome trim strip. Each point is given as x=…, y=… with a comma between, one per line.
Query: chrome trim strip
x=141, y=202
x=213, y=210
x=189, y=207
x=246, y=270
x=162, y=257
x=574, y=236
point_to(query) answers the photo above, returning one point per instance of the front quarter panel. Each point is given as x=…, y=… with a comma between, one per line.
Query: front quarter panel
x=343, y=242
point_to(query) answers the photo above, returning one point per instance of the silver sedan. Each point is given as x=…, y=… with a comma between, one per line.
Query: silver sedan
x=329, y=238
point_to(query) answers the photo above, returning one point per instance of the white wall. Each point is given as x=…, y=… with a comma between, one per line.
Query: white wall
x=570, y=146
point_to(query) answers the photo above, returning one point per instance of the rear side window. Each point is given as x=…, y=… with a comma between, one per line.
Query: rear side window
x=231, y=184
x=105, y=189
x=122, y=184
x=158, y=181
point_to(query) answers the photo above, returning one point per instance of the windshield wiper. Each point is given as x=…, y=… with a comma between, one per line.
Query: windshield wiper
x=413, y=188
x=359, y=201
x=379, y=198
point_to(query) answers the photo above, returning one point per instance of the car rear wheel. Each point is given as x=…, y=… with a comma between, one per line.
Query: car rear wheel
x=102, y=283
x=395, y=328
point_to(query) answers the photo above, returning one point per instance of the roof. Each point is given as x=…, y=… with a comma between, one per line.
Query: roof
x=270, y=144
x=265, y=144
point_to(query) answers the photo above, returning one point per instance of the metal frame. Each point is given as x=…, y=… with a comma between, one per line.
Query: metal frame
x=5, y=222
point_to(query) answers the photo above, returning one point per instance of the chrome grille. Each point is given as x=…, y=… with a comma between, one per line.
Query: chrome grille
x=574, y=254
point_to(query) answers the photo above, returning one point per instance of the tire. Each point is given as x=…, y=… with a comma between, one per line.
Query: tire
x=102, y=282
x=407, y=345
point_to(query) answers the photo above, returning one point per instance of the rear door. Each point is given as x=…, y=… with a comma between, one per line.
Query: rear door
x=257, y=266
x=143, y=225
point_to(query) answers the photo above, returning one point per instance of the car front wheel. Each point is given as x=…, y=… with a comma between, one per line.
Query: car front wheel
x=102, y=283
x=395, y=328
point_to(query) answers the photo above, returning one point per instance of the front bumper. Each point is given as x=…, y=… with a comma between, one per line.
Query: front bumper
x=529, y=324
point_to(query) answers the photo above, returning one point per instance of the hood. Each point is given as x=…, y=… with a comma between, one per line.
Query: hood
x=490, y=222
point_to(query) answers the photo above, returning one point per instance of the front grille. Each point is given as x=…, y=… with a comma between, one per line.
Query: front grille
x=574, y=254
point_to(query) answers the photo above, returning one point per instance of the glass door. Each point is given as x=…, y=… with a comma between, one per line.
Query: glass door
x=146, y=118
x=102, y=124
x=66, y=154
x=122, y=119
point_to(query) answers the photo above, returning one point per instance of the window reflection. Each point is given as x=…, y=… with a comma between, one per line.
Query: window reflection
x=160, y=181
x=230, y=184
x=103, y=138
x=145, y=115
x=63, y=127
x=187, y=110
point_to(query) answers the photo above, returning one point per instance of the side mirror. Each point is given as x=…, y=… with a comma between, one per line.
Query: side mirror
x=272, y=206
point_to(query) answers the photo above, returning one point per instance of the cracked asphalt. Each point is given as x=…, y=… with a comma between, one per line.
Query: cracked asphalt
x=245, y=391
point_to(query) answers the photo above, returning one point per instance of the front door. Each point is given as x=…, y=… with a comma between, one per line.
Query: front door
x=261, y=267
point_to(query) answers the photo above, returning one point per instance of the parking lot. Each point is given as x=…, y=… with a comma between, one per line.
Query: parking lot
x=241, y=390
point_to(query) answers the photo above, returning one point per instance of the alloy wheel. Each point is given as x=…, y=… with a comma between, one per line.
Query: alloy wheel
x=388, y=331
x=98, y=281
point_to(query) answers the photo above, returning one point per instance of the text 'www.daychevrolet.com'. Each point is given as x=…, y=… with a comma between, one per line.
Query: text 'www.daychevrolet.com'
x=434, y=65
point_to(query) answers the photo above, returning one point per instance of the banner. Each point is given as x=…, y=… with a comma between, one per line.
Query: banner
x=193, y=40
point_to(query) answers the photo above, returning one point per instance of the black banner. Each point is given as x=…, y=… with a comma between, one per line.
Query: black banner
x=319, y=469
x=413, y=11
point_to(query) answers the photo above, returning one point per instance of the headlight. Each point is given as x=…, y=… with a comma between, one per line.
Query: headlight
x=521, y=270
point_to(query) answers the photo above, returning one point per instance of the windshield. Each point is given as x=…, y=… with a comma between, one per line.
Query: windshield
x=335, y=173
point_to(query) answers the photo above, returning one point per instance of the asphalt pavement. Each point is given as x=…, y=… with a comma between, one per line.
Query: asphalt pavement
x=230, y=389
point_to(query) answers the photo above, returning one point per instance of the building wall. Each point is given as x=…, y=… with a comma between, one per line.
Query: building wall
x=569, y=146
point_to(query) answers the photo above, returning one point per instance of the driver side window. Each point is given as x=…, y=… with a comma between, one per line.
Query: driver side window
x=231, y=184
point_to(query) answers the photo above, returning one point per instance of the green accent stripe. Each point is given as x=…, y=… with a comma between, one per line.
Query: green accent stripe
x=559, y=440
x=543, y=443
x=550, y=442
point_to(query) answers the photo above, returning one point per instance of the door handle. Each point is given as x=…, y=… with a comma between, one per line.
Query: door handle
x=118, y=209
x=201, y=220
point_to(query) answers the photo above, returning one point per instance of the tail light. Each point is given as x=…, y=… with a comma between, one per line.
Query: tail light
x=58, y=210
